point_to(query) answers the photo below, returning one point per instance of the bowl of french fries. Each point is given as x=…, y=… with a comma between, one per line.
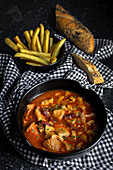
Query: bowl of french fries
x=40, y=50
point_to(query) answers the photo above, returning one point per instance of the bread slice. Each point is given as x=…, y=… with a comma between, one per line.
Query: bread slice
x=74, y=30
x=90, y=69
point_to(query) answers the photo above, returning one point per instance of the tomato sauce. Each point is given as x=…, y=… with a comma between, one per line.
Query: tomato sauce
x=60, y=121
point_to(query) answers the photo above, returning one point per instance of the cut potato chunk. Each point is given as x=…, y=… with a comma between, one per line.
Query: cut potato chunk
x=61, y=131
x=47, y=102
x=58, y=113
x=49, y=129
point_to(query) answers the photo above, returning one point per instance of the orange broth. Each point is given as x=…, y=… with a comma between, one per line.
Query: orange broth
x=60, y=121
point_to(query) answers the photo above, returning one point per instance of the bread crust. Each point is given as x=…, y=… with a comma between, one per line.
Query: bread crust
x=90, y=69
x=74, y=30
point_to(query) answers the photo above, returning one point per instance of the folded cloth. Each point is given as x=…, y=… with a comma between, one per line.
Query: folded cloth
x=17, y=80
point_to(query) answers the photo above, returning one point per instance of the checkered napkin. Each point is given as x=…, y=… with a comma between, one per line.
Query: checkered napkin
x=17, y=80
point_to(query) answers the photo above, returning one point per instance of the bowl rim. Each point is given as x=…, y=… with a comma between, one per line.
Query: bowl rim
x=59, y=155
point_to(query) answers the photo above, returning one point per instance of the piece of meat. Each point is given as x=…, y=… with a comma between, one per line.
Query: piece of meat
x=32, y=129
x=39, y=115
x=30, y=108
x=52, y=144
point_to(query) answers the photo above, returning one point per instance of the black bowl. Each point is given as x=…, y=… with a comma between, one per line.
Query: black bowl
x=71, y=85
x=60, y=59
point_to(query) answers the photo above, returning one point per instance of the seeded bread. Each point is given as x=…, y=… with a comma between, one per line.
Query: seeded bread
x=74, y=30
x=90, y=69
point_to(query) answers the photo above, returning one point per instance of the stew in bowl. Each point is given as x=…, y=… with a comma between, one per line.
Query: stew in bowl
x=61, y=119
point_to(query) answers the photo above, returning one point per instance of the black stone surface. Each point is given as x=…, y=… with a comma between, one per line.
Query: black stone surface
x=18, y=16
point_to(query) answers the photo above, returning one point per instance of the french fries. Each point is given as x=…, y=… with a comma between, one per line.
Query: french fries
x=57, y=49
x=41, y=35
x=34, y=38
x=34, y=64
x=31, y=33
x=38, y=54
x=38, y=45
x=46, y=41
x=53, y=48
x=50, y=43
x=11, y=44
x=28, y=38
x=17, y=39
x=53, y=60
x=19, y=46
x=45, y=56
x=41, y=50
x=31, y=58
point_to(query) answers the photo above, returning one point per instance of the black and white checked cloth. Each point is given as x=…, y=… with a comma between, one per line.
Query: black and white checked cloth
x=17, y=80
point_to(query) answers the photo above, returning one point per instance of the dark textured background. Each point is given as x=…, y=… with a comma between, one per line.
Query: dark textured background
x=17, y=16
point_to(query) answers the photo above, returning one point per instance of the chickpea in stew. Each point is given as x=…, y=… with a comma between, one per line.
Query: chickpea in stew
x=60, y=121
